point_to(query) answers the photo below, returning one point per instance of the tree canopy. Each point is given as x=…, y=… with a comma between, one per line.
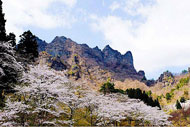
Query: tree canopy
x=2, y=24
x=178, y=105
x=28, y=46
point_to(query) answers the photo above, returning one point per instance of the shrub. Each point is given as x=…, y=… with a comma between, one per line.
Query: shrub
x=178, y=105
x=184, y=80
x=168, y=96
x=172, y=90
x=184, y=72
x=182, y=100
x=149, y=93
x=107, y=88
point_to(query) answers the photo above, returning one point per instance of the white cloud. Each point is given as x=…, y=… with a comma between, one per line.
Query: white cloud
x=114, y=30
x=114, y=6
x=131, y=6
x=161, y=41
x=38, y=13
x=69, y=3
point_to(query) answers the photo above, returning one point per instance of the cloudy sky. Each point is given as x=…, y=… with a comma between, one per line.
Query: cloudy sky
x=156, y=31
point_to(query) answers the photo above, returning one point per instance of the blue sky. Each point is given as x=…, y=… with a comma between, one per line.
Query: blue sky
x=156, y=31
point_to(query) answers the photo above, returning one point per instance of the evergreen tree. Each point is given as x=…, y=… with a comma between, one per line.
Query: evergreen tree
x=178, y=105
x=12, y=39
x=142, y=95
x=182, y=100
x=2, y=24
x=107, y=88
x=28, y=46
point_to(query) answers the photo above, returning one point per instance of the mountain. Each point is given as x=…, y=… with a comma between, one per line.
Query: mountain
x=41, y=44
x=94, y=64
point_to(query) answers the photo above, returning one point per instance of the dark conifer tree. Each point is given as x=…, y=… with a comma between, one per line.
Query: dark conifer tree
x=178, y=105
x=28, y=46
x=2, y=24
x=142, y=95
x=12, y=39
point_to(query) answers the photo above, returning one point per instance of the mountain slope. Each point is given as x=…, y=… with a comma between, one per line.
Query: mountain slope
x=41, y=44
x=92, y=63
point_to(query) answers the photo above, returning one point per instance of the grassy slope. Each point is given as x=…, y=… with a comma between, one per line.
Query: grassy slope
x=159, y=89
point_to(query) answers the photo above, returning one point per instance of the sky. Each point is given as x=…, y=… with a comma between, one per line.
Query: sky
x=157, y=32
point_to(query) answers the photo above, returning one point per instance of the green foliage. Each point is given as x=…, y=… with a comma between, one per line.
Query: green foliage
x=71, y=72
x=28, y=45
x=109, y=79
x=184, y=72
x=159, y=97
x=107, y=88
x=182, y=82
x=142, y=95
x=168, y=96
x=178, y=105
x=182, y=100
x=149, y=93
x=172, y=90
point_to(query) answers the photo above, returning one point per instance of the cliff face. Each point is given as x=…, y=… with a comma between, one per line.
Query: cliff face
x=41, y=44
x=91, y=63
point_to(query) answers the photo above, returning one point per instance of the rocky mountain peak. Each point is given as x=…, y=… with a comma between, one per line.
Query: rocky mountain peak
x=85, y=45
x=97, y=48
x=167, y=78
x=109, y=52
x=93, y=62
x=59, y=39
x=128, y=53
x=108, y=49
x=129, y=57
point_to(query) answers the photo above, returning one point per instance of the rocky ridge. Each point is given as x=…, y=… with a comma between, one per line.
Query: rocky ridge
x=93, y=64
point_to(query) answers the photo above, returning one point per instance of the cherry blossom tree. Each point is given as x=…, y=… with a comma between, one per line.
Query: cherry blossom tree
x=47, y=88
x=15, y=114
x=47, y=97
x=113, y=108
